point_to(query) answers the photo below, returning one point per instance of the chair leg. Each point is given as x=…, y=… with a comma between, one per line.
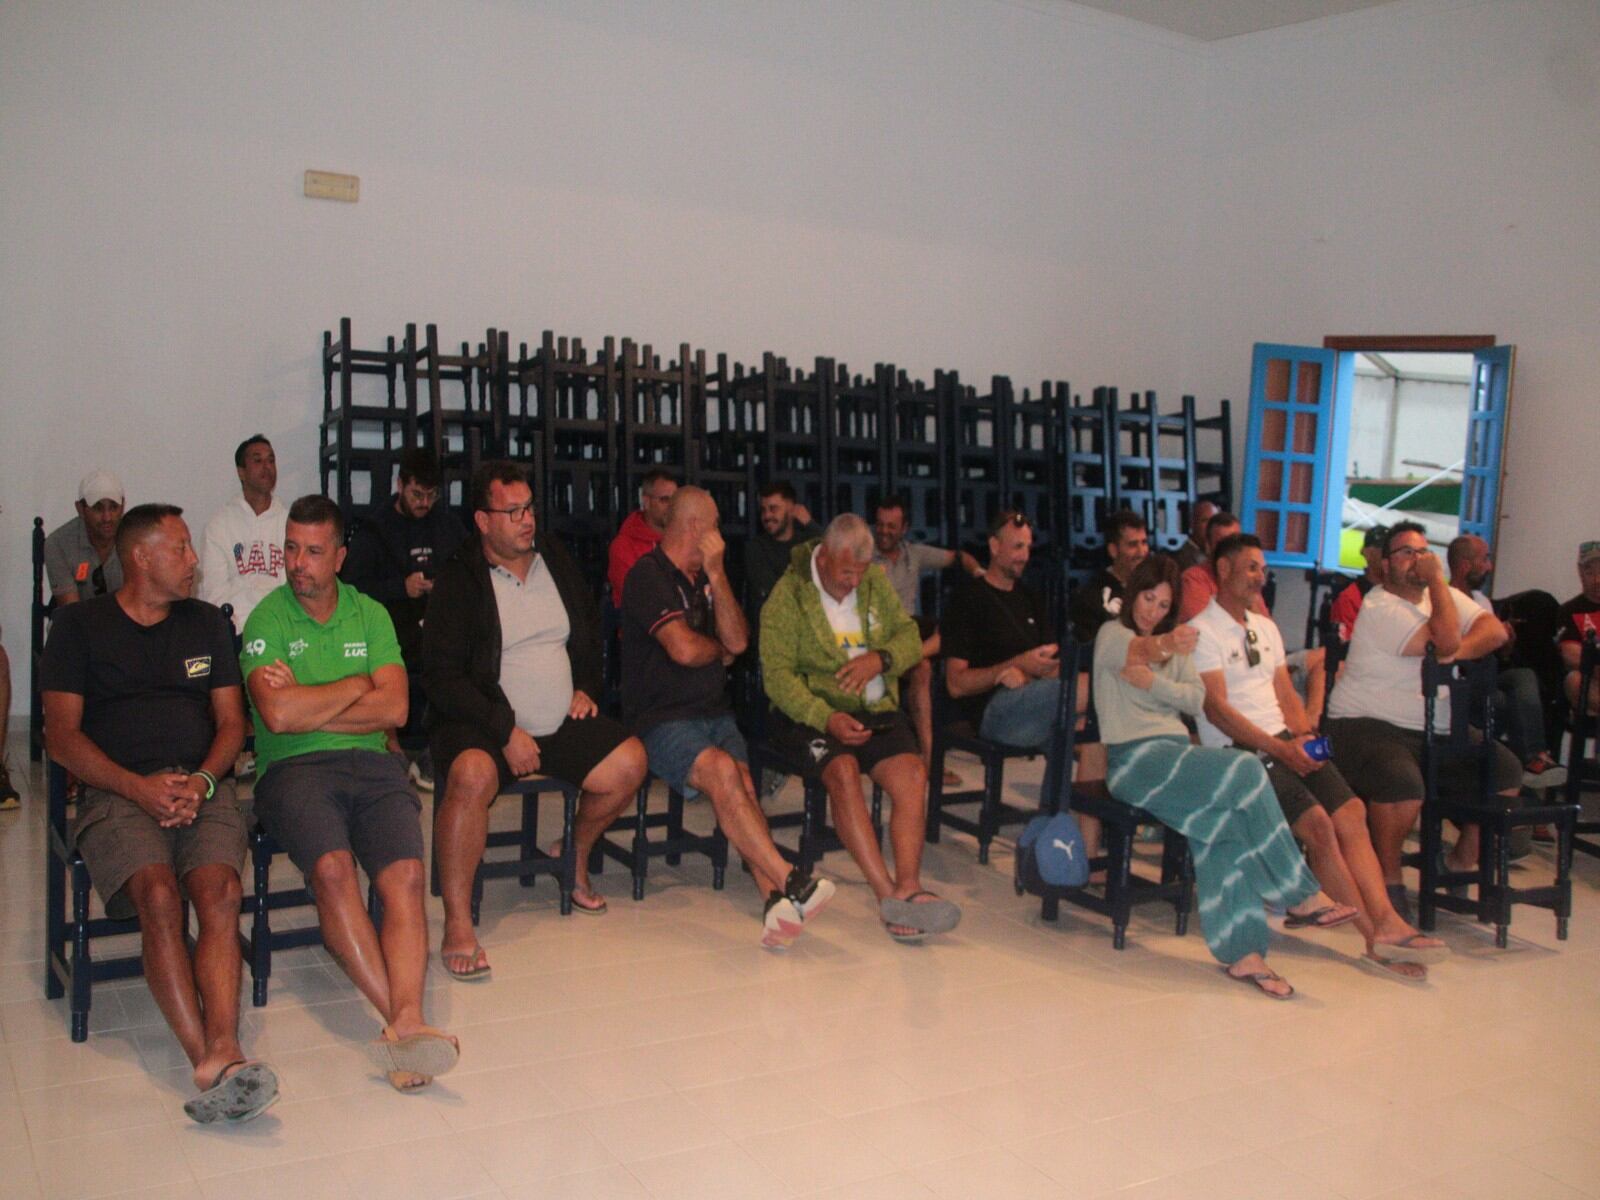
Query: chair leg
x=877, y=812
x=1563, y=905
x=477, y=895
x=1427, y=883
x=641, y=839
x=1119, y=886
x=528, y=847
x=260, y=928
x=55, y=924
x=719, y=860
x=1176, y=869
x=569, y=848
x=82, y=966
x=935, y=817
x=1502, y=887
x=674, y=820
x=813, y=820
x=1050, y=908
x=988, y=808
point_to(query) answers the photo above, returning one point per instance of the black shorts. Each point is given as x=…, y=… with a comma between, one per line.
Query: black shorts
x=568, y=754
x=1384, y=762
x=1298, y=795
x=926, y=626
x=809, y=750
x=355, y=800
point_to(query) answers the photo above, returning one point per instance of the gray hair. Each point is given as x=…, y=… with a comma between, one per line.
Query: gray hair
x=848, y=536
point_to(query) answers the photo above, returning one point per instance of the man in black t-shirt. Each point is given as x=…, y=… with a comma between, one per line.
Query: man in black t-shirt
x=1580, y=617
x=999, y=645
x=681, y=627
x=1128, y=545
x=143, y=703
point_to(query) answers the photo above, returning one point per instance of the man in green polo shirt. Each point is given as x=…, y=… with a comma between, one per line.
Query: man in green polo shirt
x=327, y=681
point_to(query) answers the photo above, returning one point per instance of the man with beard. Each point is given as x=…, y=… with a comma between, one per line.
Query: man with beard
x=1375, y=719
x=1127, y=545
x=641, y=532
x=1252, y=704
x=80, y=557
x=327, y=682
x=1580, y=619
x=905, y=563
x=784, y=524
x=393, y=557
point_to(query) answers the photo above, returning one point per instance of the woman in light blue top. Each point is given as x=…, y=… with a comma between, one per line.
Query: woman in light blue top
x=1218, y=798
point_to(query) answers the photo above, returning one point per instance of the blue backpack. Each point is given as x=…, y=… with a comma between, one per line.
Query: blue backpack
x=1051, y=853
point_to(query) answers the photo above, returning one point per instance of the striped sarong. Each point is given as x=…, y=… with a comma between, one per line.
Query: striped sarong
x=1221, y=801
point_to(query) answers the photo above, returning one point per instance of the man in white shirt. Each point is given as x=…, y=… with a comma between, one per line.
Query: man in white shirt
x=1375, y=718
x=1252, y=703
x=241, y=557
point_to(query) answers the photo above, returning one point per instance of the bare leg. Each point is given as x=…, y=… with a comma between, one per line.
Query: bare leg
x=1389, y=824
x=842, y=779
x=732, y=793
x=902, y=778
x=214, y=890
x=167, y=968
x=347, y=930
x=1355, y=843
x=607, y=790
x=916, y=686
x=404, y=943
x=1315, y=829
x=460, y=830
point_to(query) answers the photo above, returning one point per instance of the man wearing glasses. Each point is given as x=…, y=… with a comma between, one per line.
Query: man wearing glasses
x=1375, y=718
x=393, y=556
x=511, y=666
x=1251, y=703
x=1580, y=619
x=80, y=557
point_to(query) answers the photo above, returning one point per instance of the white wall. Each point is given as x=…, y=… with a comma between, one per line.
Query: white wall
x=1472, y=132
x=976, y=185
x=987, y=185
x=1397, y=422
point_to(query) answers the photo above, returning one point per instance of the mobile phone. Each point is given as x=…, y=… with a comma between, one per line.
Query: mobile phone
x=877, y=722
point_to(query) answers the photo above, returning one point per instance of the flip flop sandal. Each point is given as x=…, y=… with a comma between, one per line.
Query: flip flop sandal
x=475, y=973
x=1314, y=920
x=418, y=1054
x=1378, y=966
x=931, y=916
x=242, y=1096
x=1259, y=980
x=1408, y=952
x=596, y=909
x=407, y=1082
x=905, y=939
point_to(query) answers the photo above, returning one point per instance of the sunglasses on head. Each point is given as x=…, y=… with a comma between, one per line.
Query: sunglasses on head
x=1252, y=651
x=1012, y=518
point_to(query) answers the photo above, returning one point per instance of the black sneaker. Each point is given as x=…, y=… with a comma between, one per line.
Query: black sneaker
x=9, y=799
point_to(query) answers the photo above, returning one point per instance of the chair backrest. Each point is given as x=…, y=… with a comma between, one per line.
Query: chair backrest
x=1585, y=725
x=1077, y=661
x=1471, y=686
x=1336, y=650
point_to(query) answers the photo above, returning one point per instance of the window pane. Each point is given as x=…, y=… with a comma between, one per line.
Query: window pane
x=1300, y=477
x=1305, y=432
x=1267, y=529
x=1274, y=430
x=1270, y=489
x=1299, y=536
x=1278, y=380
x=1308, y=383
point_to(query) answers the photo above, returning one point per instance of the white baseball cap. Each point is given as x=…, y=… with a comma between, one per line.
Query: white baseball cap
x=100, y=485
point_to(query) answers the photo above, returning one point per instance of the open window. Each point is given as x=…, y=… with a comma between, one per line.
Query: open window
x=1371, y=431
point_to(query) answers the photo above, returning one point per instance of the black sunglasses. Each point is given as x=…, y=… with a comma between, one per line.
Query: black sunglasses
x=1252, y=653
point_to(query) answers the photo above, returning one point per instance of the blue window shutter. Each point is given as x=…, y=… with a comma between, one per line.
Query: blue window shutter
x=1295, y=446
x=1486, y=428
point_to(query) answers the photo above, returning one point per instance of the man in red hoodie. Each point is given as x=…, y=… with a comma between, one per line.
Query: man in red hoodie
x=642, y=531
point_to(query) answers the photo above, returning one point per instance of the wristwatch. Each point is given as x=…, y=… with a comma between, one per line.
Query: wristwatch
x=888, y=660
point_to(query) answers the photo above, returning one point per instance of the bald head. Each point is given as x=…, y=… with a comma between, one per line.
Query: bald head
x=690, y=504
x=1468, y=559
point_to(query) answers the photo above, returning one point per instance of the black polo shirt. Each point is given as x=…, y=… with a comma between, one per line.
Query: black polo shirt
x=655, y=689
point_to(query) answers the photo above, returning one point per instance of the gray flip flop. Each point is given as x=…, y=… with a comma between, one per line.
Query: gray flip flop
x=420, y=1054
x=1406, y=952
x=931, y=916
x=242, y=1096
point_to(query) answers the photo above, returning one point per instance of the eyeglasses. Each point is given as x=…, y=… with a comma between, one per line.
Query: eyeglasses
x=98, y=579
x=420, y=493
x=1252, y=652
x=515, y=513
x=1407, y=551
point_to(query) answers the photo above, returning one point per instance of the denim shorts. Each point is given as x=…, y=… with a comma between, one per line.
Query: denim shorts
x=674, y=745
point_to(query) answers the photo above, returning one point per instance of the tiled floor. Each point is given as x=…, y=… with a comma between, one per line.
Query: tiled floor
x=658, y=1052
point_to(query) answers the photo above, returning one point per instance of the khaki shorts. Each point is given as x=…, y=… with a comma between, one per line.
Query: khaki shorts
x=117, y=838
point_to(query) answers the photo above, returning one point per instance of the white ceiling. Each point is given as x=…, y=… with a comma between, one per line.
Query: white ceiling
x=1212, y=20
